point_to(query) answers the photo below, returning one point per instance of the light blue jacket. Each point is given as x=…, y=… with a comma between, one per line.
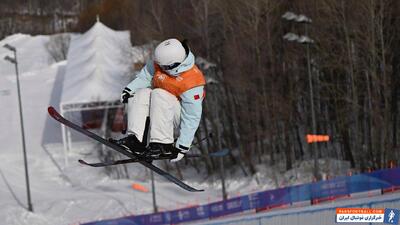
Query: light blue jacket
x=191, y=108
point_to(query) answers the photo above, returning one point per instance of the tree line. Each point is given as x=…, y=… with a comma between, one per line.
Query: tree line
x=259, y=103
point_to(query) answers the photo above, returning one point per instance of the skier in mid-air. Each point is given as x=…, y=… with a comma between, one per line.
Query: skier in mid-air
x=170, y=90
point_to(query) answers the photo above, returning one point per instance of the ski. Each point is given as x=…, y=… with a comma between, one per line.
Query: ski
x=118, y=162
x=55, y=115
x=125, y=161
x=103, y=164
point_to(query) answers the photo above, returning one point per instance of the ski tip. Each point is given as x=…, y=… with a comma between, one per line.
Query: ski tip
x=82, y=162
x=51, y=110
x=192, y=189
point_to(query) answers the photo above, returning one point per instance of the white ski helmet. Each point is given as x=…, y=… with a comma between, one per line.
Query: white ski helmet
x=169, y=54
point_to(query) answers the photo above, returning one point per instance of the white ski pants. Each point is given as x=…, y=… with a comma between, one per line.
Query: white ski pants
x=164, y=110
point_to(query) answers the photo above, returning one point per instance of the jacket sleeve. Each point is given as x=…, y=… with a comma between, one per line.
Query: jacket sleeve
x=191, y=110
x=143, y=78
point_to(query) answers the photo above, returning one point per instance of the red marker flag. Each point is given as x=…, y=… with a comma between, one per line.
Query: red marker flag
x=311, y=138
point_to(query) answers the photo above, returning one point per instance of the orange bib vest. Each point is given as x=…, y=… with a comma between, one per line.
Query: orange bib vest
x=176, y=85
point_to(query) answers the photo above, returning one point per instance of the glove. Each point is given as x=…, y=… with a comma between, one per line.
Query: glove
x=180, y=153
x=125, y=95
x=178, y=157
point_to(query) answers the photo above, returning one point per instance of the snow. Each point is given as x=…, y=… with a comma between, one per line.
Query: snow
x=32, y=54
x=71, y=194
x=97, y=69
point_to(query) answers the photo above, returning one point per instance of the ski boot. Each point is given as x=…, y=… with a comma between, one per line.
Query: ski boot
x=159, y=149
x=131, y=143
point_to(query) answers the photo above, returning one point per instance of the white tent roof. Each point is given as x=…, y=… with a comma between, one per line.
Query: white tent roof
x=97, y=67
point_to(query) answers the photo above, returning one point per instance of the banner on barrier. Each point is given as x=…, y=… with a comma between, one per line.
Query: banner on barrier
x=329, y=188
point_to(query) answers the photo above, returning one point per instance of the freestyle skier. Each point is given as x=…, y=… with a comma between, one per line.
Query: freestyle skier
x=169, y=90
x=166, y=98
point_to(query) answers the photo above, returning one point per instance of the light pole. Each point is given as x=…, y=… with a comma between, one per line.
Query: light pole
x=15, y=62
x=153, y=192
x=219, y=144
x=221, y=159
x=304, y=39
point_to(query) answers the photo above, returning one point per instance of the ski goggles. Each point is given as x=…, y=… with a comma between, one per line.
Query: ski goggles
x=170, y=66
